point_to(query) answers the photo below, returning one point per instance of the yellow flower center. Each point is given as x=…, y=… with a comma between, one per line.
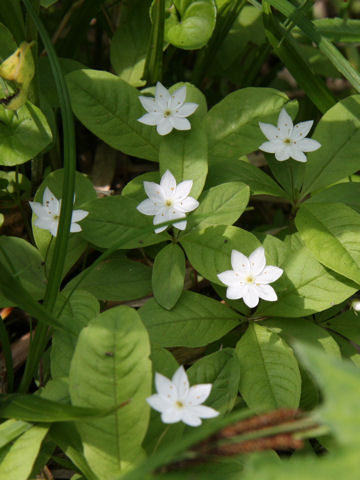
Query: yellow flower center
x=168, y=203
x=288, y=141
x=179, y=404
x=249, y=279
x=167, y=113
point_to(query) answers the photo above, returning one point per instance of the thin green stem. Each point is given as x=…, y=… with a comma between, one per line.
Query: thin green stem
x=61, y=243
x=20, y=206
x=161, y=437
x=154, y=56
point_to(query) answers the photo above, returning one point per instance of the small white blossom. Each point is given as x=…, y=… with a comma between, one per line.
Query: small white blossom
x=355, y=305
x=177, y=401
x=48, y=214
x=168, y=201
x=250, y=277
x=167, y=110
x=287, y=140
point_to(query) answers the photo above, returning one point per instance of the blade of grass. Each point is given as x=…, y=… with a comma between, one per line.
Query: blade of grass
x=329, y=50
x=154, y=58
x=57, y=265
x=287, y=50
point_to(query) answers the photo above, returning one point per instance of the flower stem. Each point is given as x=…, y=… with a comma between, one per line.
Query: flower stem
x=162, y=435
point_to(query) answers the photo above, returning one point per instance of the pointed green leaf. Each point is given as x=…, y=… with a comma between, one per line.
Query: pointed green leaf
x=233, y=123
x=348, y=193
x=209, y=250
x=331, y=231
x=220, y=205
x=270, y=376
x=20, y=457
x=11, y=429
x=222, y=370
x=115, y=218
x=23, y=134
x=109, y=107
x=195, y=320
x=339, y=134
x=110, y=366
x=168, y=275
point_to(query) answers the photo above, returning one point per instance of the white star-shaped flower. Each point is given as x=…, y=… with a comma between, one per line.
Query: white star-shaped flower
x=177, y=401
x=48, y=214
x=168, y=201
x=250, y=277
x=287, y=140
x=166, y=110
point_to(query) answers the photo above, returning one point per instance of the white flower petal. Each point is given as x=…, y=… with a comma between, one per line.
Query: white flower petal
x=148, y=103
x=282, y=153
x=173, y=415
x=235, y=292
x=150, y=119
x=186, y=110
x=75, y=228
x=266, y=292
x=308, y=145
x=78, y=215
x=181, y=382
x=189, y=418
x=50, y=202
x=251, y=297
x=44, y=223
x=239, y=262
x=178, y=97
x=164, y=127
x=147, y=207
x=160, y=229
x=203, y=411
x=270, y=131
x=183, y=190
x=162, y=96
x=269, y=274
x=187, y=205
x=159, y=402
x=198, y=394
x=155, y=192
x=297, y=154
x=269, y=147
x=285, y=124
x=40, y=210
x=257, y=261
x=230, y=278
x=180, y=225
x=54, y=228
x=162, y=217
x=165, y=387
x=168, y=184
x=301, y=129
x=180, y=123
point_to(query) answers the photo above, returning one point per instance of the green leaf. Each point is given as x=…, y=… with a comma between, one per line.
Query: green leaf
x=259, y=182
x=109, y=107
x=222, y=369
x=115, y=218
x=77, y=313
x=84, y=192
x=340, y=384
x=222, y=205
x=168, y=275
x=25, y=263
x=11, y=429
x=185, y=155
x=32, y=408
x=20, y=457
x=111, y=366
x=306, y=286
x=339, y=134
x=23, y=134
x=348, y=193
x=133, y=31
x=339, y=29
x=270, y=376
x=135, y=188
x=115, y=279
x=347, y=324
x=305, y=331
x=331, y=231
x=195, y=320
x=209, y=250
x=233, y=123
x=7, y=43
x=190, y=23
